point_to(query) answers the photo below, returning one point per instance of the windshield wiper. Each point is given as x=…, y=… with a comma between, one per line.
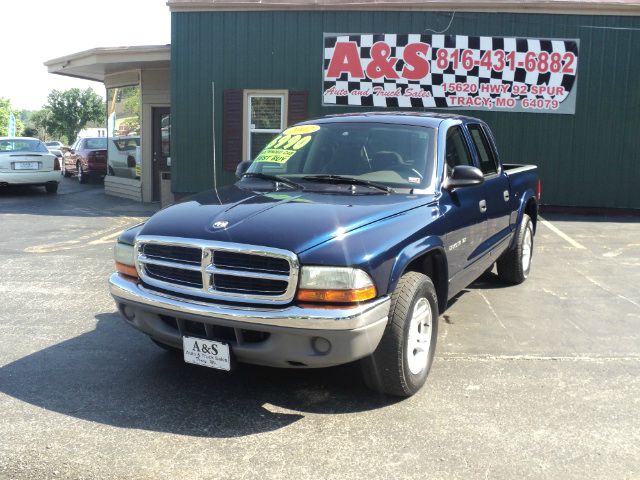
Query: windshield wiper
x=273, y=178
x=347, y=180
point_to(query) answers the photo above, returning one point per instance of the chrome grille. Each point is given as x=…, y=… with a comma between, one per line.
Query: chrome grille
x=218, y=270
x=173, y=253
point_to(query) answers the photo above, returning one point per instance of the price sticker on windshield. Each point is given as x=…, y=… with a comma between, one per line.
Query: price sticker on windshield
x=275, y=155
x=287, y=144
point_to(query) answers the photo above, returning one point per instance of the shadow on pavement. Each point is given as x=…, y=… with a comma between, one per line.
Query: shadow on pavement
x=72, y=199
x=116, y=376
x=487, y=281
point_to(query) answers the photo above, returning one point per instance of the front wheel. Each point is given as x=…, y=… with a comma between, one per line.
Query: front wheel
x=401, y=363
x=514, y=265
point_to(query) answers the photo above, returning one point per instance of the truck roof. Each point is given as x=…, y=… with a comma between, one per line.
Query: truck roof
x=425, y=119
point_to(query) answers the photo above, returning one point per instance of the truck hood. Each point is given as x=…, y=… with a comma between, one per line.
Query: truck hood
x=292, y=220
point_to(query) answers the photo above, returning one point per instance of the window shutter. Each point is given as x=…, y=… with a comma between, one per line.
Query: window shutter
x=297, y=111
x=232, y=129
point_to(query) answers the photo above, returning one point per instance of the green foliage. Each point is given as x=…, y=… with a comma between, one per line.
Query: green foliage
x=39, y=121
x=30, y=132
x=24, y=116
x=71, y=111
x=132, y=104
x=132, y=124
x=5, y=108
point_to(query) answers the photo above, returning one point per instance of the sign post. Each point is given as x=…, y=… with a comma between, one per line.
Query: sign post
x=11, y=127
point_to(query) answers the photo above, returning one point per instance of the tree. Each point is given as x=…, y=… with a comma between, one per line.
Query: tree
x=72, y=110
x=24, y=116
x=5, y=109
x=40, y=121
x=30, y=132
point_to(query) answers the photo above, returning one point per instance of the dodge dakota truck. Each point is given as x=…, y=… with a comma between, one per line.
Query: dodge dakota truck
x=342, y=241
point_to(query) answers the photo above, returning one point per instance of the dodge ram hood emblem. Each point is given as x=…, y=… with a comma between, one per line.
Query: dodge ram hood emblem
x=220, y=224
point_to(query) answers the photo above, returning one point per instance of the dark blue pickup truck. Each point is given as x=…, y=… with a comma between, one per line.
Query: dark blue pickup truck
x=343, y=240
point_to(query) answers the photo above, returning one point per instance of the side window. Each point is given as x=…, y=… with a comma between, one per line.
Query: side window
x=457, y=152
x=488, y=163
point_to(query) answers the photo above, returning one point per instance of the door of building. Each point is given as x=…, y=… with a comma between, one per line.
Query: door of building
x=161, y=135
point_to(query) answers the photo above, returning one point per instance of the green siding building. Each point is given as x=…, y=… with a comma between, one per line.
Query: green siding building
x=230, y=57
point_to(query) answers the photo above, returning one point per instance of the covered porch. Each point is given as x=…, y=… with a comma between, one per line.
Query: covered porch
x=138, y=84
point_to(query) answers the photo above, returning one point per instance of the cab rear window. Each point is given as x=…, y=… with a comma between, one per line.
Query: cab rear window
x=95, y=143
x=126, y=144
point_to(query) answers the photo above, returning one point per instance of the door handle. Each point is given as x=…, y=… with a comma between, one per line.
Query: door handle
x=483, y=206
x=505, y=194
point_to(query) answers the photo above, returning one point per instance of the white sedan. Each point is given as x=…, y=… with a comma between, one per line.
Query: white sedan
x=27, y=161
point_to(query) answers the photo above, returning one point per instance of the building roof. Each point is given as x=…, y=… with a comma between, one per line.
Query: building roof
x=97, y=63
x=576, y=7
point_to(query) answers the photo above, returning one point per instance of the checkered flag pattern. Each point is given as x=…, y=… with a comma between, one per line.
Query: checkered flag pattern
x=434, y=94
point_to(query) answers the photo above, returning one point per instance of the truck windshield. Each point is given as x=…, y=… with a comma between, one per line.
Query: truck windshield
x=398, y=156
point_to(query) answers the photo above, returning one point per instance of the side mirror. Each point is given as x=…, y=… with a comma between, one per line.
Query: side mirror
x=72, y=151
x=463, y=176
x=242, y=168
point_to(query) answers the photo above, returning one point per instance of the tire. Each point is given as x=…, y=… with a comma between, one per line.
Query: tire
x=397, y=367
x=166, y=347
x=515, y=264
x=51, y=188
x=65, y=172
x=82, y=178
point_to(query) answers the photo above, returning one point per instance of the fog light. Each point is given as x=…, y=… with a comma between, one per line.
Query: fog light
x=128, y=312
x=321, y=345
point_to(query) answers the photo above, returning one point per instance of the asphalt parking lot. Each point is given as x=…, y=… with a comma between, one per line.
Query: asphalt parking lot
x=541, y=380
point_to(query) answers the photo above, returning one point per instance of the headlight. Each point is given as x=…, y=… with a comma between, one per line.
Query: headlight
x=335, y=285
x=124, y=257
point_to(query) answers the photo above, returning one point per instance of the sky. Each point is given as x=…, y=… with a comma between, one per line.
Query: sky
x=41, y=30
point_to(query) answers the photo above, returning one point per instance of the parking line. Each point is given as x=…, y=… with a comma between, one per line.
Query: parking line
x=107, y=238
x=94, y=238
x=561, y=234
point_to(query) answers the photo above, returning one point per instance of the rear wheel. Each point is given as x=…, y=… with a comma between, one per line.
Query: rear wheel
x=82, y=178
x=51, y=188
x=515, y=263
x=402, y=361
x=64, y=171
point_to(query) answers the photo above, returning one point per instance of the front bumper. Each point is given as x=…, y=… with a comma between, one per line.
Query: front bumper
x=287, y=334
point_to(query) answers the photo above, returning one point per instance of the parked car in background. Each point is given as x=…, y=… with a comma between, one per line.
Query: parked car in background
x=57, y=152
x=56, y=145
x=124, y=158
x=26, y=161
x=86, y=158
